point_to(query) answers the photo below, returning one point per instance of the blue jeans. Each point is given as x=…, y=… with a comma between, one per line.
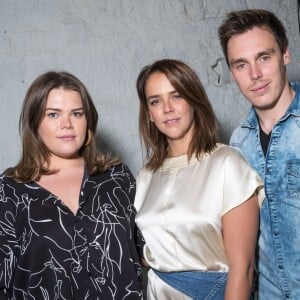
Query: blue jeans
x=196, y=284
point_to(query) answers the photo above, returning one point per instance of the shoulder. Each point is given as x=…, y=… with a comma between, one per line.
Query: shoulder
x=11, y=194
x=232, y=161
x=295, y=86
x=226, y=152
x=239, y=135
x=119, y=173
x=114, y=170
x=123, y=171
x=239, y=179
x=144, y=174
x=229, y=159
x=246, y=128
x=8, y=183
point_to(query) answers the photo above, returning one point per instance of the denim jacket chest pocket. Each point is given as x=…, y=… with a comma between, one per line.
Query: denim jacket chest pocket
x=293, y=179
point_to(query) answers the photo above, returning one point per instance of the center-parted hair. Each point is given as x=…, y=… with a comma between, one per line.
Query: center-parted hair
x=188, y=85
x=35, y=155
x=238, y=22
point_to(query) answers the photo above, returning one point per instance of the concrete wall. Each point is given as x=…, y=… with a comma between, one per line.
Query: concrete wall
x=105, y=43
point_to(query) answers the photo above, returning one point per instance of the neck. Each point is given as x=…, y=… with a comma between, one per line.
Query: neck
x=59, y=163
x=177, y=149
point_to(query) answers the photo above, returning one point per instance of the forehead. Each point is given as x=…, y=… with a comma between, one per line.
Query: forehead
x=63, y=97
x=251, y=42
x=158, y=83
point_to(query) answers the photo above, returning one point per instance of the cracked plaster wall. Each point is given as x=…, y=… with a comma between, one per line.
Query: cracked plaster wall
x=105, y=43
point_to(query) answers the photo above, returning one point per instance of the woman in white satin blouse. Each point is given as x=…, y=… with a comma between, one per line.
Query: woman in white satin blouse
x=197, y=200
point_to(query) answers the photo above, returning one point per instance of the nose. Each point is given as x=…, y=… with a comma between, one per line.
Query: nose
x=66, y=122
x=255, y=72
x=168, y=106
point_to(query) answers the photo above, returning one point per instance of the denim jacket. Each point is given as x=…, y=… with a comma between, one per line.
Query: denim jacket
x=279, y=240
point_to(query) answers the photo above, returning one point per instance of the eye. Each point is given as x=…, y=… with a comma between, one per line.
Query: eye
x=154, y=101
x=52, y=115
x=78, y=114
x=176, y=97
x=265, y=58
x=240, y=66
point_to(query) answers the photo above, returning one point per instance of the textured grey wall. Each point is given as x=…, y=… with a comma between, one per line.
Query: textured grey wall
x=105, y=43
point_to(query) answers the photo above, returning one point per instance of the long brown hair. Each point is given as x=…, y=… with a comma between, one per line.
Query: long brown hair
x=188, y=85
x=238, y=22
x=35, y=155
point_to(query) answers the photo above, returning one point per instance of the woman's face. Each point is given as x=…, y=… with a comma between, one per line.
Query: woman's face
x=171, y=114
x=63, y=127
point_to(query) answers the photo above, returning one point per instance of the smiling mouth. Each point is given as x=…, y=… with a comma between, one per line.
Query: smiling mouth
x=171, y=121
x=260, y=88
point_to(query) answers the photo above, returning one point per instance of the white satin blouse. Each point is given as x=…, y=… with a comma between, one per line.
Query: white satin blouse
x=180, y=208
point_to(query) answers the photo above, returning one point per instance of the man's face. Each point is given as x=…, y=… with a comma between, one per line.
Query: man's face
x=258, y=67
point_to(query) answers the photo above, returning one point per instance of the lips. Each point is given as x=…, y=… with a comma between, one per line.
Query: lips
x=67, y=137
x=260, y=88
x=171, y=121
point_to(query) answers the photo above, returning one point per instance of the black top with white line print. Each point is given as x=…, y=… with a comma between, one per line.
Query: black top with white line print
x=46, y=252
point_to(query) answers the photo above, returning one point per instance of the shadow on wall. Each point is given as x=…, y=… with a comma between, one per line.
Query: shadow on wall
x=224, y=134
x=105, y=147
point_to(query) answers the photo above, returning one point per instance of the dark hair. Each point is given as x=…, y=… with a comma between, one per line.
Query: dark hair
x=238, y=22
x=188, y=85
x=34, y=153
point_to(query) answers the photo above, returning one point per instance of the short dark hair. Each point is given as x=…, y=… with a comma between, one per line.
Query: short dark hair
x=188, y=85
x=238, y=22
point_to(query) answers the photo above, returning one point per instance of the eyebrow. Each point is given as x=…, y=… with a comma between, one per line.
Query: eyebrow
x=152, y=97
x=157, y=96
x=58, y=109
x=259, y=54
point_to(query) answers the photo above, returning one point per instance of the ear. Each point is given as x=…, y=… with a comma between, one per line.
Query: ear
x=89, y=137
x=286, y=56
x=150, y=116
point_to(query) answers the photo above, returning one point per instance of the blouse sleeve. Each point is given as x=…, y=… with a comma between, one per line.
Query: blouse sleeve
x=240, y=182
x=8, y=243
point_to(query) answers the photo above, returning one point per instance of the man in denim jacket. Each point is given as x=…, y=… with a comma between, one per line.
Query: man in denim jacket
x=255, y=46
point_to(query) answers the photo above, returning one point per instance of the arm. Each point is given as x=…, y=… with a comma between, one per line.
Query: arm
x=140, y=243
x=240, y=227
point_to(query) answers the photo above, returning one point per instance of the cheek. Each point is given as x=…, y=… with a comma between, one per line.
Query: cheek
x=43, y=131
x=188, y=110
x=85, y=126
x=83, y=129
x=152, y=114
